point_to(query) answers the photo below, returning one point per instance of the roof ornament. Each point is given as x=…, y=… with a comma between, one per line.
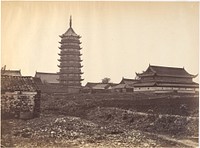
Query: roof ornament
x=70, y=22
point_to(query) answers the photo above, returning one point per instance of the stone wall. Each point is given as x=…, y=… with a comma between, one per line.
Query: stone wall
x=18, y=104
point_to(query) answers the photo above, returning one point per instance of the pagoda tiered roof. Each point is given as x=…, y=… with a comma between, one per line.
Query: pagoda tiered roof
x=70, y=32
x=70, y=41
x=64, y=46
x=69, y=53
x=70, y=59
x=63, y=78
x=165, y=71
x=70, y=72
x=78, y=65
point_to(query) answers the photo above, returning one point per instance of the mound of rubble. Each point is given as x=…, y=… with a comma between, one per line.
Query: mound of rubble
x=173, y=125
x=68, y=131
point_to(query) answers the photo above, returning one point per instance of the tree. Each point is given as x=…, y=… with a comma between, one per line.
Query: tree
x=105, y=80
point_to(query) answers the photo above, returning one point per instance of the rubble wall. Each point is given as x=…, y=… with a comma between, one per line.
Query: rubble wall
x=20, y=104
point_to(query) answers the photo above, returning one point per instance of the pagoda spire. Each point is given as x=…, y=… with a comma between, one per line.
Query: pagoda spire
x=70, y=22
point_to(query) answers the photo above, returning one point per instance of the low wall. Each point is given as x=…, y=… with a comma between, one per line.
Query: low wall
x=24, y=105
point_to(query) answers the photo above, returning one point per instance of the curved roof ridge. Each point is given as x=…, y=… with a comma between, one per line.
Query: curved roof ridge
x=166, y=71
x=166, y=67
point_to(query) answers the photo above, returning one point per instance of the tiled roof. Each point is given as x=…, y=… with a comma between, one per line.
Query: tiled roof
x=165, y=84
x=70, y=32
x=18, y=83
x=128, y=81
x=91, y=84
x=120, y=86
x=145, y=84
x=11, y=72
x=101, y=86
x=47, y=77
x=166, y=71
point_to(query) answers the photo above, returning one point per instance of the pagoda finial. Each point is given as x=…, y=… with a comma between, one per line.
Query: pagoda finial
x=70, y=22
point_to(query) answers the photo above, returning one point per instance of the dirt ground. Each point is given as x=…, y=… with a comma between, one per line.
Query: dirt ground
x=87, y=120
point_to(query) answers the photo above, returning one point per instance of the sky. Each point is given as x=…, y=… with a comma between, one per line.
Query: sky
x=118, y=38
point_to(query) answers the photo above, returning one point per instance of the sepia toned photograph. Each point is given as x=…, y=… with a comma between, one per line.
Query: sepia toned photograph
x=110, y=74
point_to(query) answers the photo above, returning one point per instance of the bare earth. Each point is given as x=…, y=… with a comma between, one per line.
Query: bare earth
x=88, y=121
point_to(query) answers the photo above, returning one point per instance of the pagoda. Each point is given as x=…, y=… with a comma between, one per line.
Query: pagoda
x=70, y=61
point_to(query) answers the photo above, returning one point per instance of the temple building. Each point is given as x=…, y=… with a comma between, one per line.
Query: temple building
x=70, y=61
x=161, y=79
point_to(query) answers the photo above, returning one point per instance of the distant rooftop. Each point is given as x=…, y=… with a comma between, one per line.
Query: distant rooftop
x=166, y=71
x=128, y=81
x=11, y=72
x=47, y=77
x=18, y=83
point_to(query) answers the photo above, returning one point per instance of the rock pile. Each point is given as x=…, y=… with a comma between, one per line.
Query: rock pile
x=163, y=124
x=51, y=130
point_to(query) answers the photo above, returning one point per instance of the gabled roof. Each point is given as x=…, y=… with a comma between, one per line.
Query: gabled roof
x=101, y=86
x=47, y=77
x=113, y=84
x=120, y=86
x=18, y=83
x=128, y=81
x=11, y=72
x=165, y=71
x=91, y=84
